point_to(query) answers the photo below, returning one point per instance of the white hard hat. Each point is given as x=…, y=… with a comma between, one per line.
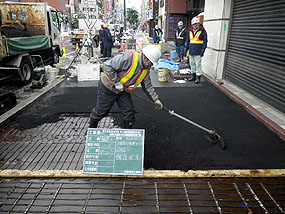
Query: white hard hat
x=195, y=20
x=153, y=53
x=180, y=23
x=156, y=27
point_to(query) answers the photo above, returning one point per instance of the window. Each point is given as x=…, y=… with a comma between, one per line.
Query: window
x=55, y=20
x=11, y=15
x=23, y=16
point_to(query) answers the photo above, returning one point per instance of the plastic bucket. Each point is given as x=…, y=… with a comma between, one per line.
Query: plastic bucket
x=162, y=74
x=173, y=54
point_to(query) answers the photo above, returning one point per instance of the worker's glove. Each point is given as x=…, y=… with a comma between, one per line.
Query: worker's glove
x=119, y=86
x=158, y=105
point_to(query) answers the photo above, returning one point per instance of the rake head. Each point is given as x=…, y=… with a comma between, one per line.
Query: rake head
x=214, y=138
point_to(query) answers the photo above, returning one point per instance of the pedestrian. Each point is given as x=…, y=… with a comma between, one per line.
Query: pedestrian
x=107, y=41
x=122, y=74
x=197, y=46
x=87, y=48
x=181, y=38
x=157, y=33
x=101, y=34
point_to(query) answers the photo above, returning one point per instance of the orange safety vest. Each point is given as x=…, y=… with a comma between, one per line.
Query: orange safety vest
x=195, y=40
x=129, y=74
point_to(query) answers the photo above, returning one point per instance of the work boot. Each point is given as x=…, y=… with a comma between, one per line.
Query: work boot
x=93, y=123
x=193, y=78
x=128, y=124
x=180, y=59
x=198, y=79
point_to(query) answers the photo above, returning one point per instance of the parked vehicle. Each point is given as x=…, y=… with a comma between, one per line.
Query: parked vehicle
x=87, y=28
x=29, y=37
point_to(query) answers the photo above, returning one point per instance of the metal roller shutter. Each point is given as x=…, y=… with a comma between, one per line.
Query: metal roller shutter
x=255, y=59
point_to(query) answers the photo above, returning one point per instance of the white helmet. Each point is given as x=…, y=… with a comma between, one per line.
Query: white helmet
x=156, y=27
x=195, y=20
x=180, y=23
x=153, y=53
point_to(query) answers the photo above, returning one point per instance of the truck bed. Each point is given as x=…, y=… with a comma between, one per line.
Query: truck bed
x=21, y=45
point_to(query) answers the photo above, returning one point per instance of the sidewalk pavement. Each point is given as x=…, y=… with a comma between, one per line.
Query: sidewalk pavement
x=266, y=114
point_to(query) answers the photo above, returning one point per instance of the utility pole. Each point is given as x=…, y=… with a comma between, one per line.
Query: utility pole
x=125, y=26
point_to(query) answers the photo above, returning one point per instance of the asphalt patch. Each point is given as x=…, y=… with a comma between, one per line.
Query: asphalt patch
x=170, y=143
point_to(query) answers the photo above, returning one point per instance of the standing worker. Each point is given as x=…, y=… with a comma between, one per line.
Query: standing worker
x=181, y=38
x=101, y=34
x=157, y=33
x=197, y=46
x=124, y=73
x=107, y=41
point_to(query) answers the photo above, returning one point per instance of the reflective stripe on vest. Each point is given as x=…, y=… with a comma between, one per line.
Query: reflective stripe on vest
x=195, y=40
x=157, y=33
x=139, y=80
x=131, y=71
x=178, y=36
x=124, y=79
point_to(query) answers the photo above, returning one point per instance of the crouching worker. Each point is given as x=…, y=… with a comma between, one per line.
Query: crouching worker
x=122, y=74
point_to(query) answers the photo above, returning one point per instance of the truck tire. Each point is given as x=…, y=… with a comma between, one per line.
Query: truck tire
x=26, y=70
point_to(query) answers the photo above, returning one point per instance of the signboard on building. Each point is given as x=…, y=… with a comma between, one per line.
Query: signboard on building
x=88, y=2
x=114, y=151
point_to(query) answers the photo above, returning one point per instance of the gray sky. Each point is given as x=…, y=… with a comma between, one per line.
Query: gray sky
x=135, y=4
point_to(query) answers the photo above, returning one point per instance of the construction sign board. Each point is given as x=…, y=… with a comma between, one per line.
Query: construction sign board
x=114, y=151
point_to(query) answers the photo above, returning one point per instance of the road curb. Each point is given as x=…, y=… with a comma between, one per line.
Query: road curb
x=241, y=173
x=19, y=107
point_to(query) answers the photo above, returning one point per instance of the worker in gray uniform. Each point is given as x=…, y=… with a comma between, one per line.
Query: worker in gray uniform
x=123, y=74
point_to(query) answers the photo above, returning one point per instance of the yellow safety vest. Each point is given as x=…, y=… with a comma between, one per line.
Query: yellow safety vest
x=195, y=40
x=129, y=74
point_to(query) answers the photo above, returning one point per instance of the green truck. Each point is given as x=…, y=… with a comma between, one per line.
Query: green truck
x=30, y=37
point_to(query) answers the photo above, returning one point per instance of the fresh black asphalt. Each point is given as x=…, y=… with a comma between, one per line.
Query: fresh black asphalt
x=171, y=143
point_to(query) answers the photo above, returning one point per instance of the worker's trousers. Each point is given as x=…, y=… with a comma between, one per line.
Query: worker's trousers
x=107, y=52
x=180, y=51
x=105, y=101
x=195, y=63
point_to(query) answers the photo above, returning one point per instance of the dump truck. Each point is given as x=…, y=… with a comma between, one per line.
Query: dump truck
x=29, y=37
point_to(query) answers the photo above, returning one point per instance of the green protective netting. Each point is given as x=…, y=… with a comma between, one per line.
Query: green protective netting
x=21, y=45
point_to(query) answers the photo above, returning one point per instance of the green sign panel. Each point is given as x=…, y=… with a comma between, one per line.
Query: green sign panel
x=114, y=151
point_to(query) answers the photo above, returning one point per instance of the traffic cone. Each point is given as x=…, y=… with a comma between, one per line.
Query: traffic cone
x=142, y=46
x=62, y=39
x=123, y=47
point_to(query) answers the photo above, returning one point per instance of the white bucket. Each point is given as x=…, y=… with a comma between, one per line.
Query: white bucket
x=162, y=74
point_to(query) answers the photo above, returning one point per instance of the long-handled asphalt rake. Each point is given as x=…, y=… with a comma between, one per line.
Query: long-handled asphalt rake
x=213, y=135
